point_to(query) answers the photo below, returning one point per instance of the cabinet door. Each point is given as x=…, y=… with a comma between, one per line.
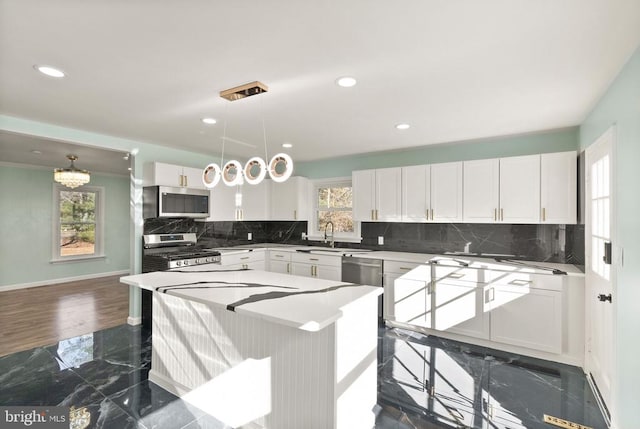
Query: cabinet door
x=558, y=187
x=410, y=304
x=192, y=178
x=222, y=203
x=481, y=190
x=520, y=189
x=255, y=201
x=416, y=193
x=302, y=269
x=388, y=194
x=327, y=272
x=289, y=200
x=459, y=308
x=279, y=266
x=165, y=174
x=446, y=192
x=527, y=317
x=363, y=184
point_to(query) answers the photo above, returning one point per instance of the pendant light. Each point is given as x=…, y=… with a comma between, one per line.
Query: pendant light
x=71, y=177
x=255, y=170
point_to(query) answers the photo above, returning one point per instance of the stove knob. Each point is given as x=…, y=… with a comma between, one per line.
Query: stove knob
x=197, y=261
x=179, y=263
x=209, y=260
x=186, y=262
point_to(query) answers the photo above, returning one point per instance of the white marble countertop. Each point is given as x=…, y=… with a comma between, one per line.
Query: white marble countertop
x=300, y=302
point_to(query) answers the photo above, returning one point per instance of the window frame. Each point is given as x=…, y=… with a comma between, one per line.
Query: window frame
x=312, y=233
x=56, y=257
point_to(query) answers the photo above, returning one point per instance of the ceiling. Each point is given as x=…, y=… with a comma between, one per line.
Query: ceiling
x=453, y=69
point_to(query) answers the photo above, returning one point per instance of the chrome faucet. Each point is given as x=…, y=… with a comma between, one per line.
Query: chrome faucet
x=325, y=232
x=466, y=247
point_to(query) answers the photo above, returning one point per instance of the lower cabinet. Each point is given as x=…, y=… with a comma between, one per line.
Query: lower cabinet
x=306, y=265
x=515, y=308
x=248, y=260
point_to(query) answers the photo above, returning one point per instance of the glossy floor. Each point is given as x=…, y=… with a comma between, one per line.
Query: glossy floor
x=424, y=382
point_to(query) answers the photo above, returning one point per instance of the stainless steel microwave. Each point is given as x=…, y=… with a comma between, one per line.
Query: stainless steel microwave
x=165, y=201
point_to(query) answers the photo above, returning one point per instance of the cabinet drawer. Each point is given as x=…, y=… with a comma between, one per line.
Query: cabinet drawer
x=311, y=258
x=242, y=258
x=399, y=267
x=525, y=280
x=277, y=255
x=458, y=275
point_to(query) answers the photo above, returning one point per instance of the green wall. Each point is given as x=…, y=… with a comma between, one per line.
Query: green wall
x=26, y=204
x=621, y=106
x=543, y=142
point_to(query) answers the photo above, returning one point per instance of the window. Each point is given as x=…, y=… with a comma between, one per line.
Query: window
x=333, y=202
x=77, y=223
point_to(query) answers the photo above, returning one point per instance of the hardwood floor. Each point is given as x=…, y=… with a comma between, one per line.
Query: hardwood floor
x=44, y=315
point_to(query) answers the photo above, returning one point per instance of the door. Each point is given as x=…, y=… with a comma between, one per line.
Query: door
x=416, y=193
x=600, y=280
x=388, y=193
x=363, y=183
x=481, y=190
x=558, y=190
x=446, y=192
x=520, y=189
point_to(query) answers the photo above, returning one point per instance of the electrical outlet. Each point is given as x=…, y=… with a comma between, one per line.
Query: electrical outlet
x=249, y=236
x=380, y=240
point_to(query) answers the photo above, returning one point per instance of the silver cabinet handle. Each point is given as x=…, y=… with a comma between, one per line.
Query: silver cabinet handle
x=244, y=257
x=288, y=267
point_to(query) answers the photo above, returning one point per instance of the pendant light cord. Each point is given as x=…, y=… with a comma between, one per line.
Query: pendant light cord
x=264, y=131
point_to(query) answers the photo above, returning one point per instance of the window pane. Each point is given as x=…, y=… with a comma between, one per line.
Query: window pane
x=77, y=206
x=342, y=220
x=77, y=239
x=335, y=197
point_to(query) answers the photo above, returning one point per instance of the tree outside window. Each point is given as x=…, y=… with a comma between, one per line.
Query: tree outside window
x=334, y=203
x=77, y=222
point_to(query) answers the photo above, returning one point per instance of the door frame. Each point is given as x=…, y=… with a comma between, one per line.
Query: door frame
x=608, y=407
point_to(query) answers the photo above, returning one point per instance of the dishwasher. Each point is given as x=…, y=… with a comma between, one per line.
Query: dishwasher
x=364, y=271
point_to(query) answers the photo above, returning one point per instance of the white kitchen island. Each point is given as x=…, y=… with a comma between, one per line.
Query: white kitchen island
x=265, y=350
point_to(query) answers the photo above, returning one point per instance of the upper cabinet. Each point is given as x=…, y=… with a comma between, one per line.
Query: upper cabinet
x=377, y=194
x=177, y=176
x=558, y=191
x=432, y=193
x=290, y=200
x=481, y=190
x=521, y=189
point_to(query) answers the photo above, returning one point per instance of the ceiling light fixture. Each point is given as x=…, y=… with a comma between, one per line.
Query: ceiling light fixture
x=403, y=126
x=209, y=121
x=287, y=145
x=346, y=81
x=255, y=170
x=50, y=71
x=71, y=177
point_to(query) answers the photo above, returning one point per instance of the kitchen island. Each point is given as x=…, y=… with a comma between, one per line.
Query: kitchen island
x=265, y=350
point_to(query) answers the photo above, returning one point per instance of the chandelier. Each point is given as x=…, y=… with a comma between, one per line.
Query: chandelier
x=71, y=177
x=255, y=170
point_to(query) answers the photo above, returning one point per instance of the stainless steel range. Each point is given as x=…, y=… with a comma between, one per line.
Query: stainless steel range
x=166, y=251
x=161, y=252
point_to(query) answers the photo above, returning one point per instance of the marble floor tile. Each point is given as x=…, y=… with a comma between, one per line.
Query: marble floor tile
x=424, y=382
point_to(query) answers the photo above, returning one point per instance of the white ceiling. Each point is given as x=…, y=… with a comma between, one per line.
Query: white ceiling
x=453, y=69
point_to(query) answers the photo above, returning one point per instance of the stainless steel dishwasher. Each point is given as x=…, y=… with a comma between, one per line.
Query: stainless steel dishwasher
x=363, y=271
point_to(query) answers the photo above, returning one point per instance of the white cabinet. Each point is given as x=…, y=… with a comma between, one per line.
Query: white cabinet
x=253, y=260
x=158, y=173
x=458, y=302
x=254, y=201
x=222, y=203
x=446, y=192
x=319, y=266
x=377, y=195
x=406, y=293
x=481, y=193
x=520, y=189
x=279, y=262
x=558, y=187
x=416, y=193
x=290, y=200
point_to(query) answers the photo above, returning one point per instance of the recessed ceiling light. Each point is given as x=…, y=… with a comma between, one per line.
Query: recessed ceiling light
x=209, y=121
x=36, y=152
x=287, y=145
x=346, y=81
x=49, y=71
x=403, y=126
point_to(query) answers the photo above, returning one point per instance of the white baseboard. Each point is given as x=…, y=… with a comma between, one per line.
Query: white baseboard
x=134, y=321
x=62, y=280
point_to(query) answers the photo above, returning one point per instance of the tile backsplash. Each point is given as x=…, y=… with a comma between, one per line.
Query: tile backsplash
x=541, y=243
